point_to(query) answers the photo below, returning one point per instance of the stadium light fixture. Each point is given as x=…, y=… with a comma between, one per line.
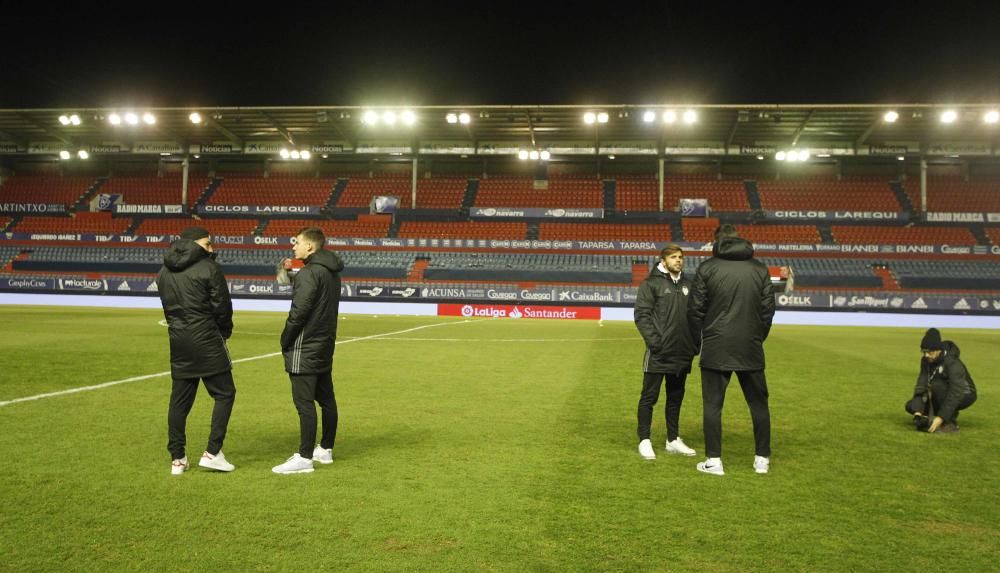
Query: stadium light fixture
x=75, y=119
x=64, y=154
x=589, y=118
x=649, y=116
x=804, y=155
x=148, y=118
x=992, y=116
x=64, y=119
x=115, y=119
x=901, y=158
x=690, y=116
x=305, y=154
x=389, y=117
x=464, y=118
x=284, y=153
x=369, y=117
x=195, y=118
x=451, y=118
x=780, y=156
x=545, y=155
x=792, y=155
x=670, y=116
x=295, y=154
x=949, y=116
x=533, y=155
x=131, y=118
x=602, y=117
x=522, y=154
x=890, y=116
x=409, y=118
x=83, y=154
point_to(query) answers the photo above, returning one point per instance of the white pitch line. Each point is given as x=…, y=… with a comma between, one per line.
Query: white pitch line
x=167, y=373
x=407, y=339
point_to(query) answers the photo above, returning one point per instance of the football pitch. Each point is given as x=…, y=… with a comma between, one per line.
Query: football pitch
x=485, y=445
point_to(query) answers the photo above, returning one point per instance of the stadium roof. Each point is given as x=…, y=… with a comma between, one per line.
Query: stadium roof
x=838, y=130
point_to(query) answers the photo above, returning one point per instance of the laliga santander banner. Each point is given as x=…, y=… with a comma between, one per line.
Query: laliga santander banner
x=520, y=311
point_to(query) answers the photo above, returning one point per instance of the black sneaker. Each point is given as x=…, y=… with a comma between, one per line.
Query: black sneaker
x=922, y=423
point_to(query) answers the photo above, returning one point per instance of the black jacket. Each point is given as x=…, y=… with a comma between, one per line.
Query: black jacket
x=198, y=310
x=307, y=341
x=661, y=317
x=947, y=378
x=731, y=307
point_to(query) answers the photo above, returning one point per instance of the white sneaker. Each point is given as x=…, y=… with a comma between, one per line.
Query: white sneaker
x=679, y=447
x=217, y=462
x=294, y=465
x=177, y=467
x=711, y=466
x=323, y=455
x=761, y=464
x=646, y=450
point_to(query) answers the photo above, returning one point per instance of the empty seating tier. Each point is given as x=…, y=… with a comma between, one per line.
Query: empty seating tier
x=954, y=194
x=230, y=227
x=642, y=193
x=464, y=230
x=155, y=190
x=83, y=222
x=604, y=232
x=370, y=226
x=873, y=235
x=521, y=192
x=273, y=191
x=44, y=189
x=852, y=194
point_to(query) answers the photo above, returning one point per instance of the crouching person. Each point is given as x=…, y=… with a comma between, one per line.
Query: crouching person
x=944, y=386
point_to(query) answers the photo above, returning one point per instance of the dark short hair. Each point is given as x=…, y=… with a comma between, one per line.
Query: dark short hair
x=313, y=235
x=726, y=230
x=670, y=249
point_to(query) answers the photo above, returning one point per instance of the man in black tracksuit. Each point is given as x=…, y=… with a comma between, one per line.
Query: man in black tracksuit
x=944, y=386
x=730, y=312
x=661, y=317
x=307, y=343
x=199, y=315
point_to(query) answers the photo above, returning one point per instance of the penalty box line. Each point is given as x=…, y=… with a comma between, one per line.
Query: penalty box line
x=248, y=359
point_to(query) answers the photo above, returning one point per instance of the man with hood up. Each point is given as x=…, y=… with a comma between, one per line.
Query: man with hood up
x=730, y=312
x=661, y=317
x=199, y=313
x=944, y=386
x=307, y=343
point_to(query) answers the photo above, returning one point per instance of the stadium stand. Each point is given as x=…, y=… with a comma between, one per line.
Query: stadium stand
x=827, y=194
x=586, y=269
x=955, y=194
x=642, y=193
x=880, y=235
x=273, y=191
x=364, y=226
x=948, y=274
x=993, y=233
x=155, y=190
x=521, y=192
x=463, y=230
x=173, y=226
x=82, y=222
x=359, y=191
x=780, y=234
x=45, y=189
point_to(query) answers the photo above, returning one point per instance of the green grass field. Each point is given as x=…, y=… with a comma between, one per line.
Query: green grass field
x=495, y=445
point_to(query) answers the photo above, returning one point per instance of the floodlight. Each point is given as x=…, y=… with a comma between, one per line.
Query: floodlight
x=115, y=119
x=306, y=154
x=949, y=116
x=760, y=158
x=992, y=116
x=82, y=154
x=792, y=155
x=295, y=154
x=602, y=117
x=389, y=118
x=669, y=116
x=545, y=155
x=409, y=118
x=780, y=156
x=75, y=119
x=64, y=119
x=649, y=116
x=523, y=154
x=131, y=118
x=148, y=118
x=589, y=117
x=370, y=117
x=451, y=118
x=804, y=155
x=63, y=154
x=464, y=118
x=533, y=155
x=901, y=158
x=195, y=117
x=890, y=117
x=690, y=116
x=284, y=153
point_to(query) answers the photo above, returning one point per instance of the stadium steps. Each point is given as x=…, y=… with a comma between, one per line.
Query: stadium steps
x=207, y=193
x=609, y=198
x=904, y=200
x=676, y=231
x=889, y=281
x=417, y=270
x=639, y=273
x=136, y=221
x=14, y=220
x=469, y=199
x=336, y=193
x=89, y=194
x=261, y=225
x=753, y=195
x=825, y=234
x=980, y=234
x=532, y=234
x=394, y=229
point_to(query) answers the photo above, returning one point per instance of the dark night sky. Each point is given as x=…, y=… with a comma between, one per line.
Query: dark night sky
x=425, y=53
